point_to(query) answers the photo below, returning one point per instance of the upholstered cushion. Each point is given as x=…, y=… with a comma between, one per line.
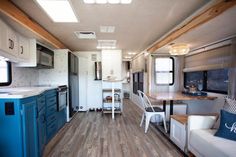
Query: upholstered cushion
x=230, y=105
x=208, y=145
x=156, y=109
x=227, y=127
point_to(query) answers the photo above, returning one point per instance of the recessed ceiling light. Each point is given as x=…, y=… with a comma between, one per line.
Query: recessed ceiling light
x=132, y=53
x=58, y=10
x=127, y=57
x=107, y=29
x=101, y=1
x=108, y=1
x=106, y=44
x=126, y=1
x=89, y=1
x=113, y=1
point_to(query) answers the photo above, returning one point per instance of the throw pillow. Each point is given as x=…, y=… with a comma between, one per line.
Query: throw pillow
x=230, y=105
x=227, y=127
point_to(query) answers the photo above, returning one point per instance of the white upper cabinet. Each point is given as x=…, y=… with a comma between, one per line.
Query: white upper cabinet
x=23, y=48
x=12, y=43
x=3, y=36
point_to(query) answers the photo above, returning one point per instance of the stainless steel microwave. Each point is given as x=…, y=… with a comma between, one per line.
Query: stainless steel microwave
x=45, y=57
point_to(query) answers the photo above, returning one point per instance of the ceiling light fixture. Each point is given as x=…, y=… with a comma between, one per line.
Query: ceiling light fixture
x=179, y=49
x=89, y=1
x=106, y=44
x=127, y=57
x=108, y=1
x=58, y=10
x=132, y=53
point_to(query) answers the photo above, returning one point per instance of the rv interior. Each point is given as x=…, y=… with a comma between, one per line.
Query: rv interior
x=117, y=78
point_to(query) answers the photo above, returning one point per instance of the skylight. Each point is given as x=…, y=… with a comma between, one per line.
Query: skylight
x=107, y=1
x=58, y=10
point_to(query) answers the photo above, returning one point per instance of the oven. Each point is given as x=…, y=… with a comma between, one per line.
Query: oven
x=62, y=97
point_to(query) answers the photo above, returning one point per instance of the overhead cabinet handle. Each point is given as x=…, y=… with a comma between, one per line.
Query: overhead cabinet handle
x=10, y=43
x=22, y=49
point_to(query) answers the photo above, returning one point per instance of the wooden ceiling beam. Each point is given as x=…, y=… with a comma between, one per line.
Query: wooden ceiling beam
x=12, y=11
x=196, y=21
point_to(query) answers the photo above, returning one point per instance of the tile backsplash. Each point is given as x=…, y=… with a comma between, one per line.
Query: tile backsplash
x=24, y=77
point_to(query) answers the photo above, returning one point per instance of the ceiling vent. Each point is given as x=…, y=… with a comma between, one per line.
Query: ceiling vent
x=106, y=44
x=85, y=34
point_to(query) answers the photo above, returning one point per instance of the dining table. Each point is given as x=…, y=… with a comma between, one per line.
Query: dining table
x=176, y=96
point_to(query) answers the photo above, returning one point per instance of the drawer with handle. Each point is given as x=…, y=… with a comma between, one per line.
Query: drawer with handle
x=51, y=101
x=51, y=130
x=52, y=118
x=51, y=109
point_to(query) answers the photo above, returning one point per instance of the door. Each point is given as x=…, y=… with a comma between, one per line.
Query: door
x=29, y=123
x=83, y=83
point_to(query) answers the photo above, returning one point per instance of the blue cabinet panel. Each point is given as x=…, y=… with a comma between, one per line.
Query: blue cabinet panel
x=41, y=131
x=10, y=130
x=61, y=118
x=29, y=123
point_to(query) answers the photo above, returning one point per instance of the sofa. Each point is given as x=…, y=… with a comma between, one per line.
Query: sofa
x=201, y=139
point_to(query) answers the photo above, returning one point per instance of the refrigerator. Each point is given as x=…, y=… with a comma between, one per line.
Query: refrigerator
x=73, y=84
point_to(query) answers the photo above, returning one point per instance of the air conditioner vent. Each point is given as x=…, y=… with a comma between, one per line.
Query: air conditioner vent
x=85, y=34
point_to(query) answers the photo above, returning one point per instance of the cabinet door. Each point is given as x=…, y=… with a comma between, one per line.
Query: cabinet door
x=12, y=42
x=3, y=36
x=41, y=130
x=23, y=48
x=178, y=134
x=29, y=122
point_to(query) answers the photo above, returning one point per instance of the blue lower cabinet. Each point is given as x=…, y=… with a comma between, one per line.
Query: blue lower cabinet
x=18, y=128
x=27, y=125
x=51, y=114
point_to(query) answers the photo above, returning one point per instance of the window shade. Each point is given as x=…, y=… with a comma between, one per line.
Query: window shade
x=218, y=58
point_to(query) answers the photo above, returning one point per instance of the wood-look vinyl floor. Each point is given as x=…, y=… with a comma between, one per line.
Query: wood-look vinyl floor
x=93, y=135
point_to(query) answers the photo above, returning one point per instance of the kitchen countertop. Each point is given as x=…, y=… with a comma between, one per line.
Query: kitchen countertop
x=22, y=92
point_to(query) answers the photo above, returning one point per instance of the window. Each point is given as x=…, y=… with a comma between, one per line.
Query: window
x=211, y=81
x=137, y=82
x=5, y=73
x=164, y=71
x=217, y=81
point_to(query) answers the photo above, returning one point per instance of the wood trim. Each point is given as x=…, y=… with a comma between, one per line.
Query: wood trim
x=196, y=21
x=16, y=14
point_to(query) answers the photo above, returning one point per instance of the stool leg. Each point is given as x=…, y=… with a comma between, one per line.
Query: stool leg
x=148, y=118
x=164, y=121
x=142, y=120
